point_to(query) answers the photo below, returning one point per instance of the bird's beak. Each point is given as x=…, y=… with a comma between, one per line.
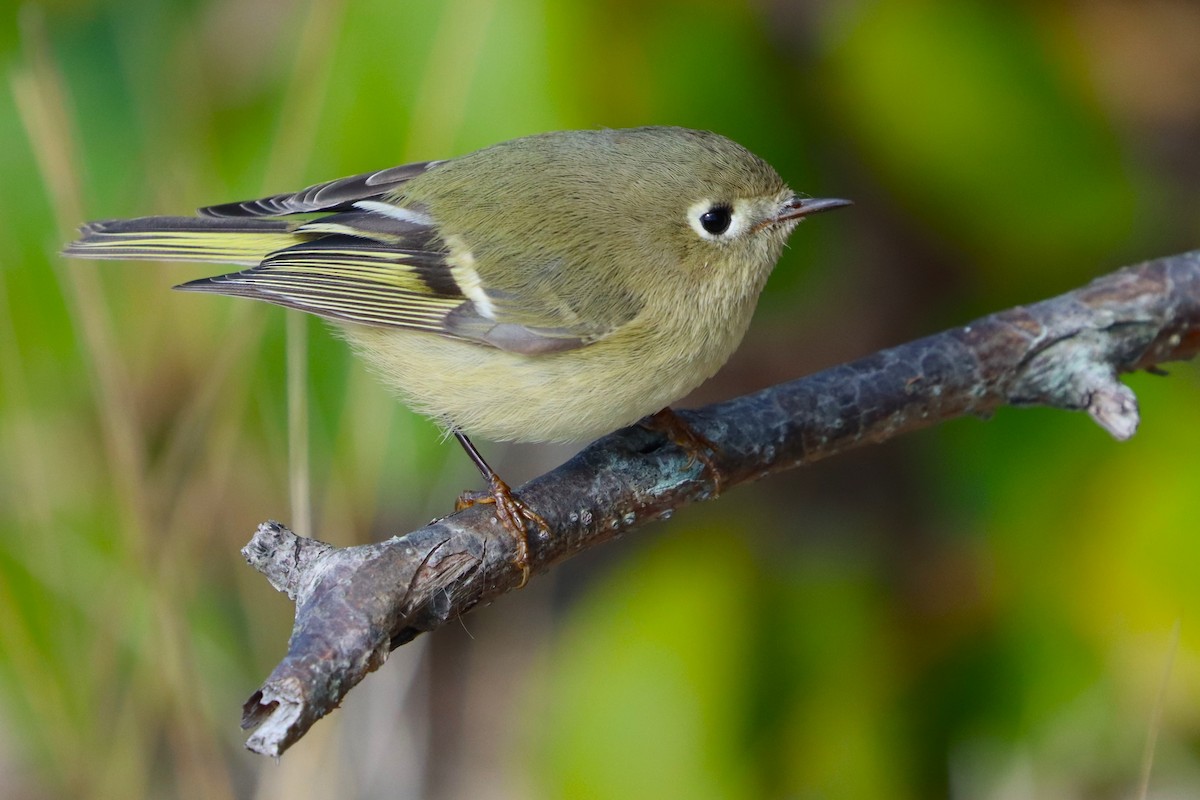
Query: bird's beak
x=799, y=207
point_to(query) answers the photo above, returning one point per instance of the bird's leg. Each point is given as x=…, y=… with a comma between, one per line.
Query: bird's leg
x=513, y=514
x=698, y=446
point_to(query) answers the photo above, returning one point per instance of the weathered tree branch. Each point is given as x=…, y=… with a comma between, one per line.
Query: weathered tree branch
x=354, y=605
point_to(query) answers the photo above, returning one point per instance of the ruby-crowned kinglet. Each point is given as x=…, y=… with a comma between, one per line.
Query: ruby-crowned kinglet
x=550, y=288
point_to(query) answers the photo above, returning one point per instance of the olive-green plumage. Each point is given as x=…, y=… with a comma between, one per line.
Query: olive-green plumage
x=553, y=287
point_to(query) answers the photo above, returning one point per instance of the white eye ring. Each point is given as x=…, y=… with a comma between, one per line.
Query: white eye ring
x=707, y=216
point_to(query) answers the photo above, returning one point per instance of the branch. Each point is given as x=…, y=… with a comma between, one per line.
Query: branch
x=356, y=604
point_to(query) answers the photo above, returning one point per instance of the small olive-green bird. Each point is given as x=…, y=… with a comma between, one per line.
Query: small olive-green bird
x=550, y=288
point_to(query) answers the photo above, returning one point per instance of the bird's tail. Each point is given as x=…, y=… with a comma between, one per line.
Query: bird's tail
x=225, y=240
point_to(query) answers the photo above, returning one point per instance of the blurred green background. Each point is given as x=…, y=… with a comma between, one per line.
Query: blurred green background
x=999, y=609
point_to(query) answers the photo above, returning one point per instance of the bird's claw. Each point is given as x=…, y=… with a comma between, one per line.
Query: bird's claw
x=697, y=446
x=513, y=515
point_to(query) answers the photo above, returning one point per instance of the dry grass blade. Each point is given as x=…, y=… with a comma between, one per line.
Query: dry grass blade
x=1156, y=715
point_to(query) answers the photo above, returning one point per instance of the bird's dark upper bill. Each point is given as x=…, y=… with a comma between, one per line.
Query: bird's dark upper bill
x=803, y=206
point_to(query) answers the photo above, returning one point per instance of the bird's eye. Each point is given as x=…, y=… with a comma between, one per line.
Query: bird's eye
x=716, y=220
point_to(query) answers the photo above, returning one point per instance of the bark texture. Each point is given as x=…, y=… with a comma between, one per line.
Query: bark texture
x=354, y=605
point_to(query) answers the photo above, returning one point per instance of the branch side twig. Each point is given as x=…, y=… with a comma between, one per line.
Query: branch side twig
x=355, y=604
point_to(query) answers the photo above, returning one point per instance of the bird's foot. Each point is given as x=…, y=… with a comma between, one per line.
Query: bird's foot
x=698, y=446
x=513, y=515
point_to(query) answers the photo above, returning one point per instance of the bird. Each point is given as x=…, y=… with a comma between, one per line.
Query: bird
x=550, y=288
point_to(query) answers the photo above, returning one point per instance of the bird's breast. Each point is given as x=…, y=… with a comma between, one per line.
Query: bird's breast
x=574, y=395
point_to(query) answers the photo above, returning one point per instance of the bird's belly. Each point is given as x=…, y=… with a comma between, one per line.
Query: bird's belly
x=575, y=395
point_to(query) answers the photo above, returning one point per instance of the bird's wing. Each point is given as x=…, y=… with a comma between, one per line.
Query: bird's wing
x=385, y=265
x=370, y=259
x=335, y=195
